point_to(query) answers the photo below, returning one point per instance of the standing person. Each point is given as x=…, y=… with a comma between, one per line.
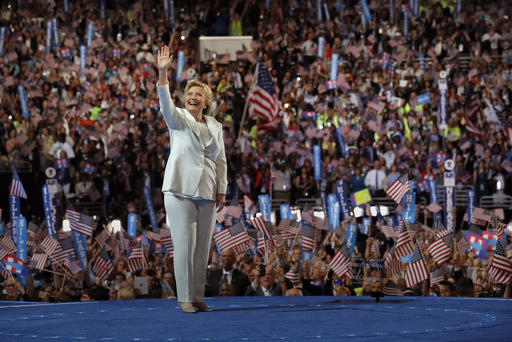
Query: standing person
x=195, y=182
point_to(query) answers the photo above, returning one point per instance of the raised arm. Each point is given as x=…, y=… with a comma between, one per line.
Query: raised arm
x=172, y=116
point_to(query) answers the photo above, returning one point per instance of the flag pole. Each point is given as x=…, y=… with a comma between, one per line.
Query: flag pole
x=255, y=75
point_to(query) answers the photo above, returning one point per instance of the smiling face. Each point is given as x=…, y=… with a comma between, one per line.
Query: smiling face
x=195, y=100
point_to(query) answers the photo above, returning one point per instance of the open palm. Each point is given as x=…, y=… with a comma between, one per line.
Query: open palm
x=164, y=58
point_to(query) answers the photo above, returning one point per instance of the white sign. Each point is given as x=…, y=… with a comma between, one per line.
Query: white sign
x=449, y=178
x=222, y=45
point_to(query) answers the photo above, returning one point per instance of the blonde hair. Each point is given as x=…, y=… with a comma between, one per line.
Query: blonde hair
x=208, y=95
x=126, y=293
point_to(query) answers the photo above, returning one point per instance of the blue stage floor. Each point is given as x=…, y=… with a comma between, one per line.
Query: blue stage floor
x=262, y=319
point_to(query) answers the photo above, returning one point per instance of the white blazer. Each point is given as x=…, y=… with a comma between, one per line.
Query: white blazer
x=186, y=159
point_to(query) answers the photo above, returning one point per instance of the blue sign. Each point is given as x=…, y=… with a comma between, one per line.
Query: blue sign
x=83, y=56
x=264, y=202
x=351, y=236
x=317, y=162
x=80, y=241
x=21, y=238
x=2, y=40
x=180, y=64
x=366, y=11
x=90, y=32
x=23, y=101
x=55, y=32
x=150, y=207
x=342, y=198
x=48, y=208
x=367, y=221
x=132, y=225
x=15, y=211
x=286, y=213
x=471, y=203
x=334, y=211
x=333, y=75
x=49, y=35
x=342, y=144
x=409, y=204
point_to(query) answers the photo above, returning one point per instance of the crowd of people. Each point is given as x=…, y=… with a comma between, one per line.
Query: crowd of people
x=98, y=125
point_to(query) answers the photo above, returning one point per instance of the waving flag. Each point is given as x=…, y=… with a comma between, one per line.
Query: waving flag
x=103, y=267
x=293, y=274
x=308, y=237
x=394, y=266
x=264, y=100
x=398, y=189
x=260, y=225
x=17, y=188
x=38, y=260
x=137, y=259
x=79, y=222
x=436, y=276
x=392, y=289
x=471, y=109
x=231, y=237
x=7, y=246
x=417, y=270
x=340, y=264
x=500, y=268
x=404, y=245
x=440, y=249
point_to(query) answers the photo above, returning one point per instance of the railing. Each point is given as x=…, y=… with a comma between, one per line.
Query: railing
x=496, y=201
x=20, y=165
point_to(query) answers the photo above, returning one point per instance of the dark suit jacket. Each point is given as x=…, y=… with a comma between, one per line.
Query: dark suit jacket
x=276, y=291
x=239, y=282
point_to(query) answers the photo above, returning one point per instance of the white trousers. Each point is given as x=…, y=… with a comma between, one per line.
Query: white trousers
x=192, y=223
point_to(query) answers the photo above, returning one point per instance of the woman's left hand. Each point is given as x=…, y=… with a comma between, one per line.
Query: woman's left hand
x=220, y=200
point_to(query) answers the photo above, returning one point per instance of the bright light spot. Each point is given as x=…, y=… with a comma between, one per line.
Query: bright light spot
x=116, y=226
x=65, y=226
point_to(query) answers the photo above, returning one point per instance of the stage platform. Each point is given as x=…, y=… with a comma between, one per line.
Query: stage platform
x=262, y=319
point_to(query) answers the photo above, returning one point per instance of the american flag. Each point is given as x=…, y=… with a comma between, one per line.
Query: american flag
x=264, y=100
x=507, y=126
x=392, y=289
x=440, y=249
x=288, y=228
x=7, y=247
x=137, y=259
x=398, y=189
x=404, y=245
x=38, y=260
x=261, y=226
x=50, y=245
x=436, y=276
x=221, y=215
x=249, y=205
x=340, y=264
x=320, y=223
x=392, y=264
x=234, y=211
x=165, y=237
x=231, y=237
x=17, y=188
x=417, y=270
x=462, y=246
x=60, y=257
x=389, y=231
x=308, y=237
x=79, y=222
x=73, y=265
x=293, y=274
x=472, y=108
x=500, y=268
x=102, y=238
x=103, y=267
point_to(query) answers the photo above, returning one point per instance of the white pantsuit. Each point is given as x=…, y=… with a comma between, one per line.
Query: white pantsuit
x=195, y=173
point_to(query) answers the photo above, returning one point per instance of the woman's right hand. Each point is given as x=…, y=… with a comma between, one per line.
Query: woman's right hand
x=164, y=58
